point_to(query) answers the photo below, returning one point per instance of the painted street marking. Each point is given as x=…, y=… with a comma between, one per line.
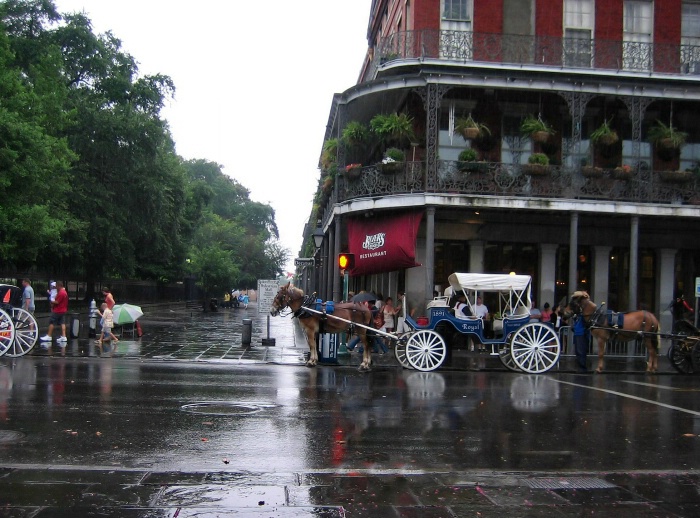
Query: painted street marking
x=629, y=396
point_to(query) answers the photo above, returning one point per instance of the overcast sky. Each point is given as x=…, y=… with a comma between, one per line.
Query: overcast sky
x=254, y=83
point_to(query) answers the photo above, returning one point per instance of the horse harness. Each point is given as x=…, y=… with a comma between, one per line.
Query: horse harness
x=601, y=318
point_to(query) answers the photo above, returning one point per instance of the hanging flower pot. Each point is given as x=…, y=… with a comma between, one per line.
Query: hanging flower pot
x=676, y=176
x=591, y=172
x=353, y=171
x=622, y=173
x=540, y=136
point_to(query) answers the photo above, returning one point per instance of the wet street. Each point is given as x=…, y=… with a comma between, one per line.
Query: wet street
x=187, y=421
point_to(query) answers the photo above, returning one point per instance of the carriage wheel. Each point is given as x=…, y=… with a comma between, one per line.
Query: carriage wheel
x=425, y=350
x=400, y=353
x=695, y=357
x=680, y=355
x=7, y=332
x=26, y=333
x=507, y=358
x=535, y=348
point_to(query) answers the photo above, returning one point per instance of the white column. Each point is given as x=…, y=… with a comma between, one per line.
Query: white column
x=601, y=273
x=547, y=275
x=665, y=286
x=476, y=256
x=573, y=253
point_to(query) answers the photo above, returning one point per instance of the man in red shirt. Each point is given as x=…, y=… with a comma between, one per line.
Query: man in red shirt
x=59, y=308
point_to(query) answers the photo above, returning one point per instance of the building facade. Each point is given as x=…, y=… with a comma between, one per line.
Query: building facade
x=606, y=199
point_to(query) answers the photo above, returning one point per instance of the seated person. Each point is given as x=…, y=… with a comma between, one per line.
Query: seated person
x=461, y=308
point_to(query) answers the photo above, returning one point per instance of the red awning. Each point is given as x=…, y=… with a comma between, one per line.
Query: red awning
x=383, y=244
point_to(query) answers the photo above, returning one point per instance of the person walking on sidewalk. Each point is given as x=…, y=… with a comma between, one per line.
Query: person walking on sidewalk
x=59, y=308
x=28, y=296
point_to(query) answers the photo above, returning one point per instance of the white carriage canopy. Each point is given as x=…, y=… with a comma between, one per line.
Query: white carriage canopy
x=514, y=289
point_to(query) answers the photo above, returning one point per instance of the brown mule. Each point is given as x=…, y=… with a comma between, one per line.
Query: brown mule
x=634, y=324
x=354, y=313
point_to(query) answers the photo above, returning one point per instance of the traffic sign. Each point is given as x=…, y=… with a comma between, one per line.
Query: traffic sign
x=304, y=261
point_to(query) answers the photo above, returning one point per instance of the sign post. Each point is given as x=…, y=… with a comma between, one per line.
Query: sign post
x=266, y=295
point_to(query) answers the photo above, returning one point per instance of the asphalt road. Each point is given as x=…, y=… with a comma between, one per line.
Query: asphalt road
x=256, y=433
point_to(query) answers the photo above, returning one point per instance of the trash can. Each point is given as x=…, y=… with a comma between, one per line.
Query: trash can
x=247, y=331
x=328, y=347
x=74, y=325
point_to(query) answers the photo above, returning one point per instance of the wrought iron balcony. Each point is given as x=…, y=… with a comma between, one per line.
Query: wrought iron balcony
x=498, y=179
x=508, y=49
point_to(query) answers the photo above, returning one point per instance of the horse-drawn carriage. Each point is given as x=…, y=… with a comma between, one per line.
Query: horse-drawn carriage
x=684, y=352
x=521, y=345
x=18, y=328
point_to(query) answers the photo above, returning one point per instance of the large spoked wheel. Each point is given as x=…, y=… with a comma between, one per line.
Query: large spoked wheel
x=7, y=332
x=507, y=358
x=26, y=333
x=680, y=354
x=425, y=350
x=535, y=348
x=695, y=357
x=400, y=352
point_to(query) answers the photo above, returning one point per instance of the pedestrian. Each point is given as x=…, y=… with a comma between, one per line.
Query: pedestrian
x=107, y=322
x=109, y=298
x=581, y=340
x=51, y=293
x=227, y=299
x=59, y=308
x=389, y=312
x=401, y=310
x=546, y=313
x=244, y=299
x=535, y=314
x=28, y=296
x=461, y=308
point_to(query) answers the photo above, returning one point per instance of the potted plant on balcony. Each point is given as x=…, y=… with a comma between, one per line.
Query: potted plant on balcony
x=623, y=172
x=470, y=129
x=329, y=155
x=604, y=134
x=589, y=171
x=537, y=164
x=393, y=161
x=354, y=134
x=537, y=129
x=466, y=161
x=353, y=171
x=394, y=129
x=667, y=137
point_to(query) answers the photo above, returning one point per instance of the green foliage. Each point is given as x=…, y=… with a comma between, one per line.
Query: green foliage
x=395, y=154
x=468, y=155
x=604, y=133
x=463, y=124
x=667, y=135
x=329, y=155
x=532, y=125
x=394, y=128
x=90, y=183
x=538, y=158
x=355, y=134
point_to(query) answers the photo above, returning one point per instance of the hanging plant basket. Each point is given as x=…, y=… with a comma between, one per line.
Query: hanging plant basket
x=609, y=140
x=540, y=136
x=470, y=133
x=676, y=176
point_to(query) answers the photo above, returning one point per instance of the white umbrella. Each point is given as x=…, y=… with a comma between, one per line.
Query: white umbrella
x=126, y=313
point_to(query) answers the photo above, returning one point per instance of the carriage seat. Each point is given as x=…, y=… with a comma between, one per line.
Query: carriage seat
x=439, y=302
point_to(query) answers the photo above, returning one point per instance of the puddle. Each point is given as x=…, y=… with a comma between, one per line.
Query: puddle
x=10, y=436
x=225, y=408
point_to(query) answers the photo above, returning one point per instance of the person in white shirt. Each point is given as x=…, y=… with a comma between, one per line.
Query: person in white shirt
x=461, y=308
x=480, y=310
x=535, y=314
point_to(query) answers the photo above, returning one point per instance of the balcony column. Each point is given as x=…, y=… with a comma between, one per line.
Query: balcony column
x=432, y=97
x=634, y=263
x=665, y=286
x=637, y=107
x=573, y=254
x=601, y=273
x=547, y=274
x=337, y=281
x=476, y=256
x=332, y=262
x=429, y=254
x=577, y=103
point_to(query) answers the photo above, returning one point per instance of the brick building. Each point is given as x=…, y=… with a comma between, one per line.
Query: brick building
x=602, y=201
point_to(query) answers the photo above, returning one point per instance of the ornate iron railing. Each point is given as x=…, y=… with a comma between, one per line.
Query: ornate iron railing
x=464, y=46
x=498, y=179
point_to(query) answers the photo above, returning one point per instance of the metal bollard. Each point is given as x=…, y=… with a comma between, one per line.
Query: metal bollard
x=75, y=325
x=247, y=331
